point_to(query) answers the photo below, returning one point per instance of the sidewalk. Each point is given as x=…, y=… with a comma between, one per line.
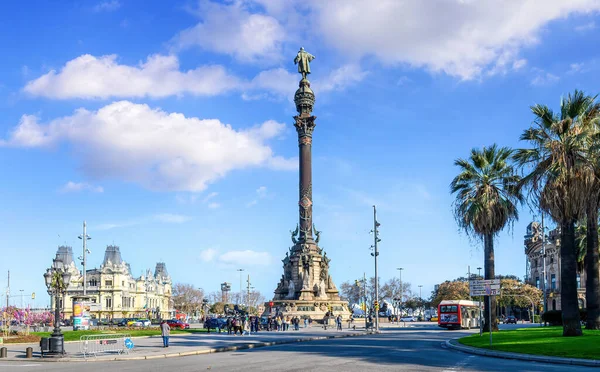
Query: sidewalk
x=182, y=345
x=455, y=345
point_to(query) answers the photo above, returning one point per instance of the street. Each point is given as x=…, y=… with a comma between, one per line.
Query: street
x=416, y=348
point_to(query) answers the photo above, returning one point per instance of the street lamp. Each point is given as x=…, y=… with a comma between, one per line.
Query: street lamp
x=57, y=280
x=401, y=294
x=364, y=282
x=421, y=300
x=240, y=298
x=85, y=237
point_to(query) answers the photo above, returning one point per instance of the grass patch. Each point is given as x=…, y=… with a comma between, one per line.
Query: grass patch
x=540, y=341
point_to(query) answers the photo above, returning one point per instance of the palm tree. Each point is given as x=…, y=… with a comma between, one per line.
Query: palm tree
x=561, y=180
x=486, y=198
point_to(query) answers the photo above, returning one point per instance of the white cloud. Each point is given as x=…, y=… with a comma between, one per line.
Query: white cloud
x=340, y=78
x=519, y=64
x=107, y=6
x=461, y=38
x=171, y=218
x=233, y=30
x=80, y=186
x=544, y=78
x=586, y=27
x=151, y=147
x=207, y=255
x=247, y=258
x=575, y=67
x=252, y=203
x=262, y=192
x=103, y=77
x=213, y=205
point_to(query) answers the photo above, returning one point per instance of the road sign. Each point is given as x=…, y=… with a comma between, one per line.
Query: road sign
x=489, y=287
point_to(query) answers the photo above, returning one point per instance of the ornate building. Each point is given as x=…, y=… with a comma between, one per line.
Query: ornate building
x=535, y=265
x=306, y=288
x=113, y=290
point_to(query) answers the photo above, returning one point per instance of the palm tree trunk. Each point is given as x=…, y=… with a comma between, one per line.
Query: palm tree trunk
x=568, y=280
x=592, y=276
x=490, y=273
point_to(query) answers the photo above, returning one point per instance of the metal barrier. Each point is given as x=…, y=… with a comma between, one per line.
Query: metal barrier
x=109, y=343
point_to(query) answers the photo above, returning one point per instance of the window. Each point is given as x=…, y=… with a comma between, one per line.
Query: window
x=537, y=282
x=578, y=281
x=552, y=259
x=109, y=302
x=553, y=281
x=108, y=283
x=449, y=309
x=123, y=283
x=93, y=283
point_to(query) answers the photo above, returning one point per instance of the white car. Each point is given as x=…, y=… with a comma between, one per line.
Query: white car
x=141, y=323
x=408, y=319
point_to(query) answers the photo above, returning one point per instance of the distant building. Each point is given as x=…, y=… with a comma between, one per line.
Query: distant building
x=114, y=291
x=535, y=265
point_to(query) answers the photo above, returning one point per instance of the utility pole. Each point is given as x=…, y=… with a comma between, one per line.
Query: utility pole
x=240, y=299
x=8, y=289
x=544, y=263
x=248, y=291
x=85, y=237
x=401, y=295
x=421, y=299
x=480, y=307
x=375, y=254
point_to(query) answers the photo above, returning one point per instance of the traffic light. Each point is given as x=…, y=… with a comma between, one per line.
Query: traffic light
x=376, y=305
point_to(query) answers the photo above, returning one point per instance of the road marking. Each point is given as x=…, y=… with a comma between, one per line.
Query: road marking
x=20, y=365
x=458, y=366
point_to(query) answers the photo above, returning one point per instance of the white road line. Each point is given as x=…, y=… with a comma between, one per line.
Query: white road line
x=19, y=365
x=459, y=366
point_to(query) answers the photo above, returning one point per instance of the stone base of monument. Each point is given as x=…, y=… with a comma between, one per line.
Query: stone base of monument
x=314, y=309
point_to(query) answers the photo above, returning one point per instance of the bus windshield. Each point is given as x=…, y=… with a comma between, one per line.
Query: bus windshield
x=448, y=309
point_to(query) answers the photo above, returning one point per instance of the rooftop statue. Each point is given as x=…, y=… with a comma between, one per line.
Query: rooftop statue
x=303, y=60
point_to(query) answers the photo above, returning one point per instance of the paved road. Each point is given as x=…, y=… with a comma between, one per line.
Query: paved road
x=408, y=349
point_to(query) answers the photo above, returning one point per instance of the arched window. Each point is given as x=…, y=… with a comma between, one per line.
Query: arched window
x=553, y=304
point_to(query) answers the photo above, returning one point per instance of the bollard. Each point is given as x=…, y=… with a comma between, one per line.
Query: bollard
x=3, y=352
x=29, y=352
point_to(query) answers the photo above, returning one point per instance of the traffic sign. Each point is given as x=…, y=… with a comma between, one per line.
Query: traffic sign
x=490, y=287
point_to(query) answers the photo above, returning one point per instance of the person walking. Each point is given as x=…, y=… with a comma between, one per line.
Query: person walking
x=305, y=322
x=165, y=332
x=339, y=322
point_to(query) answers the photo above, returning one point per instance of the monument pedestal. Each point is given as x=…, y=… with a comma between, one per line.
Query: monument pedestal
x=304, y=309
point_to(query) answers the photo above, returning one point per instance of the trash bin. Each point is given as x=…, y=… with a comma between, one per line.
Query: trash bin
x=44, y=345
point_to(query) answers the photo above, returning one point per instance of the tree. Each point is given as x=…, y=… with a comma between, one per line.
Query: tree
x=517, y=294
x=351, y=292
x=560, y=180
x=486, y=201
x=450, y=290
x=255, y=298
x=391, y=289
x=187, y=298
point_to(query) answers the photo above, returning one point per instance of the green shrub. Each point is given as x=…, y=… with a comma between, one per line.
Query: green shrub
x=536, y=318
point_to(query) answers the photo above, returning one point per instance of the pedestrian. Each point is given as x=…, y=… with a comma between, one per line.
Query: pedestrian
x=246, y=329
x=305, y=322
x=165, y=332
x=229, y=325
x=339, y=322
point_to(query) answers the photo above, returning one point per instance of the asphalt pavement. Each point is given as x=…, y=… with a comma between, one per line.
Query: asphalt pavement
x=418, y=347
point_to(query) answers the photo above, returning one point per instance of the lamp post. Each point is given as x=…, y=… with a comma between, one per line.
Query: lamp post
x=364, y=288
x=421, y=300
x=240, y=298
x=85, y=237
x=401, y=294
x=375, y=254
x=57, y=280
x=22, y=303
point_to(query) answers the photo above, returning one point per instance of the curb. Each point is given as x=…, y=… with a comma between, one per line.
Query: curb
x=186, y=353
x=453, y=344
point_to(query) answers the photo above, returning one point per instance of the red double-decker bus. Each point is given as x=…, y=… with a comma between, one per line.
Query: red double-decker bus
x=457, y=314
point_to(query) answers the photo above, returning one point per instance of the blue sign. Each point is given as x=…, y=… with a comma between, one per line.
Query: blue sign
x=128, y=343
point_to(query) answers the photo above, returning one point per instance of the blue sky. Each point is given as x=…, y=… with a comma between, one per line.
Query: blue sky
x=168, y=127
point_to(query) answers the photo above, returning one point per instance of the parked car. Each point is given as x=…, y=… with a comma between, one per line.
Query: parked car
x=434, y=319
x=408, y=319
x=510, y=319
x=215, y=323
x=141, y=323
x=174, y=323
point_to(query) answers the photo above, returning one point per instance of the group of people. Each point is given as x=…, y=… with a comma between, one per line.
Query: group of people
x=338, y=321
x=282, y=323
x=245, y=325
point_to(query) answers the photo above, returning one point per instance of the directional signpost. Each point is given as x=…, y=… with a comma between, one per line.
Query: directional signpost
x=490, y=287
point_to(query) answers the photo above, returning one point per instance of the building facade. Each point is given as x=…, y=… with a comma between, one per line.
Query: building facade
x=535, y=265
x=114, y=292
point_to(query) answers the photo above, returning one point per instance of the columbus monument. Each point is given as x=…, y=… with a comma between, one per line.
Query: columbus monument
x=306, y=288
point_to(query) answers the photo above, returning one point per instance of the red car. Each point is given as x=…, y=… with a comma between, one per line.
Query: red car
x=174, y=323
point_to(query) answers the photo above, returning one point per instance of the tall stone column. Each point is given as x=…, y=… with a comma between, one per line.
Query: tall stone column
x=305, y=125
